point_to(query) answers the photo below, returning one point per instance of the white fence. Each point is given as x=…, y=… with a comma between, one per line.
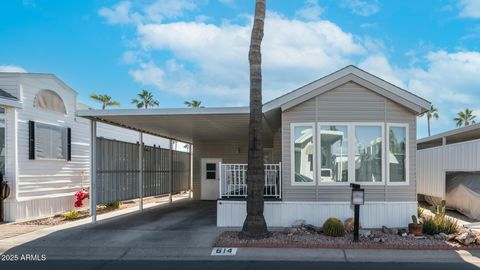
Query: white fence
x=233, y=181
x=433, y=163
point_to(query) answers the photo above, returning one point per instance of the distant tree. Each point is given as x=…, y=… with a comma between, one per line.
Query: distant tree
x=431, y=113
x=106, y=100
x=194, y=104
x=465, y=118
x=145, y=100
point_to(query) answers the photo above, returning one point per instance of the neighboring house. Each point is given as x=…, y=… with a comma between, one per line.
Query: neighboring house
x=347, y=127
x=443, y=156
x=44, y=146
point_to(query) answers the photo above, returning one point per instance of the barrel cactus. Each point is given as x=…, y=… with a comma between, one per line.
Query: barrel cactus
x=333, y=227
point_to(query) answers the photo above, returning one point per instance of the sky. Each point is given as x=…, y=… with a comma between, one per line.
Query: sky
x=184, y=49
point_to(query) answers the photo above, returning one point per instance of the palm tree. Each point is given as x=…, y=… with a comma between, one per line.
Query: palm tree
x=431, y=113
x=254, y=225
x=146, y=100
x=465, y=118
x=106, y=100
x=194, y=104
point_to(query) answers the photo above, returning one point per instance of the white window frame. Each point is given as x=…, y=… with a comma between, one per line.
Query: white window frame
x=407, y=154
x=319, y=150
x=383, y=160
x=292, y=154
x=65, y=143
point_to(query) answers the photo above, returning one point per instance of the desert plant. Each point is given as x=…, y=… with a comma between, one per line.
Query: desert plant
x=439, y=224
x=333, y=227
x=113, y=205
x=71, y=215
x=439, y=209
x=415, y=220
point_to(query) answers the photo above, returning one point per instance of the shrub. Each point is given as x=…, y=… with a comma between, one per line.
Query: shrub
x=71, y=215
x=439, y=209
x=439, y=224
x=113, y=205
x=333, y=227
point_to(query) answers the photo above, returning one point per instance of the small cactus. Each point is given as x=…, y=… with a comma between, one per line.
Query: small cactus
x=414, y=219
x=439, y=209
x=333, y=227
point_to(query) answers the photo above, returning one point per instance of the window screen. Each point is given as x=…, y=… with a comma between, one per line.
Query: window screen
x=50, y=142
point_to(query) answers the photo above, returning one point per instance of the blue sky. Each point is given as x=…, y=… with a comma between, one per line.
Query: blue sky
x=184, y=49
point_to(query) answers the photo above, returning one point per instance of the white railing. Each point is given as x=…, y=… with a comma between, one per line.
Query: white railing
x=233, y=181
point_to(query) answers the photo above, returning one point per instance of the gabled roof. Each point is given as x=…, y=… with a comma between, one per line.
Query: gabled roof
x=342, y=76
x=7, y=99
x=40, y=75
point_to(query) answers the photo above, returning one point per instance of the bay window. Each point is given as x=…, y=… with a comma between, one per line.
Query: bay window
x=364, y=153
x=303, y=154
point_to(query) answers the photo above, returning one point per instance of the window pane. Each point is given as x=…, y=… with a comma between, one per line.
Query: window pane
x=211, y=175
x=211, y=166
x=334, y=153
x=50, y=142
x=368, y=154
x=303, y=154
x=397, y=154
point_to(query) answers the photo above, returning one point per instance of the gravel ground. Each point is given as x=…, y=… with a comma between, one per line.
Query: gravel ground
x=304, y=239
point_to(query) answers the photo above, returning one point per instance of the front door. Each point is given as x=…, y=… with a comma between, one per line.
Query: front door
x=210, y=177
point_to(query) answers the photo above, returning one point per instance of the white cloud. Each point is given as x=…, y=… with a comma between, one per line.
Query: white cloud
x=12, y=68
x=361, y=7
x=119, y=14
x=123, y=13
x=311, y=11
x=227, y=2
x=215, y=56
x=469, y=8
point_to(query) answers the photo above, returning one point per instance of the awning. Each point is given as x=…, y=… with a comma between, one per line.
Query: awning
x=183, y=124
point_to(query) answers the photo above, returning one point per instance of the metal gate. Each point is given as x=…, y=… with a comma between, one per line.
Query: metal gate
x=118, y=171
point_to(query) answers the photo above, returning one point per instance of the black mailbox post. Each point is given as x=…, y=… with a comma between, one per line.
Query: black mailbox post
x=358, y=198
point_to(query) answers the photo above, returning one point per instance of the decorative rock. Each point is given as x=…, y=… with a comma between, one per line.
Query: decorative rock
x=365, y=233
x=311, y=228
x=386, y=230
x=478, y=240
x=402, y=232
x=451, y=237
x=440, y=236
x=379, y=240
x=349, y=225
x=466, y=238
x=298, y=223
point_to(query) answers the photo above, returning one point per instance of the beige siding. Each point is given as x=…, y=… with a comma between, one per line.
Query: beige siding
x=228, y=151
x=348, y=103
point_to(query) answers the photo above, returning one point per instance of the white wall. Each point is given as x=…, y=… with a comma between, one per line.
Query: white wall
x=433, y=163
x=283, y=214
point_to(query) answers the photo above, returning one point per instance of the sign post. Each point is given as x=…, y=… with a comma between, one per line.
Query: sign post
x=358, y=198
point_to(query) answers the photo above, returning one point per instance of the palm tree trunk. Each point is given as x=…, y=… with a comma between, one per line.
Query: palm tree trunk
x=255, y=225
x=428, y=121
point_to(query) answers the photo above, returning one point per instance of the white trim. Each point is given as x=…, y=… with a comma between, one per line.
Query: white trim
x=319, y=160
x=162, y=112
x=407, y=154
x=292, y=154
x=370, y=124
x=396, y=93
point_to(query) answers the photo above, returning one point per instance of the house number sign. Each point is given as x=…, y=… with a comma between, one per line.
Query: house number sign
x=224, y=252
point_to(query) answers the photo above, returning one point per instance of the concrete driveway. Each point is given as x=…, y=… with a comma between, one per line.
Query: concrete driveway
x=184, y=226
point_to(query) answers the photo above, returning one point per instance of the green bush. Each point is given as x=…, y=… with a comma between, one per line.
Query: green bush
x=439, y=224
x=71, y=215
x=113, y=205
x=333, y=227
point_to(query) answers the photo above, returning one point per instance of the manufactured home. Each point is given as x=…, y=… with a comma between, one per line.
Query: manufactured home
x=44, y=146
x=347, y=127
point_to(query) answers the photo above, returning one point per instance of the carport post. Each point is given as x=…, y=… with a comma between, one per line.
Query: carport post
x=170, y=175
x=93, y=170
x=140, y=171
x=191, y=171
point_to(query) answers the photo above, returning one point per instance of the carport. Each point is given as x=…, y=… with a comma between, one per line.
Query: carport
x=127, y=171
